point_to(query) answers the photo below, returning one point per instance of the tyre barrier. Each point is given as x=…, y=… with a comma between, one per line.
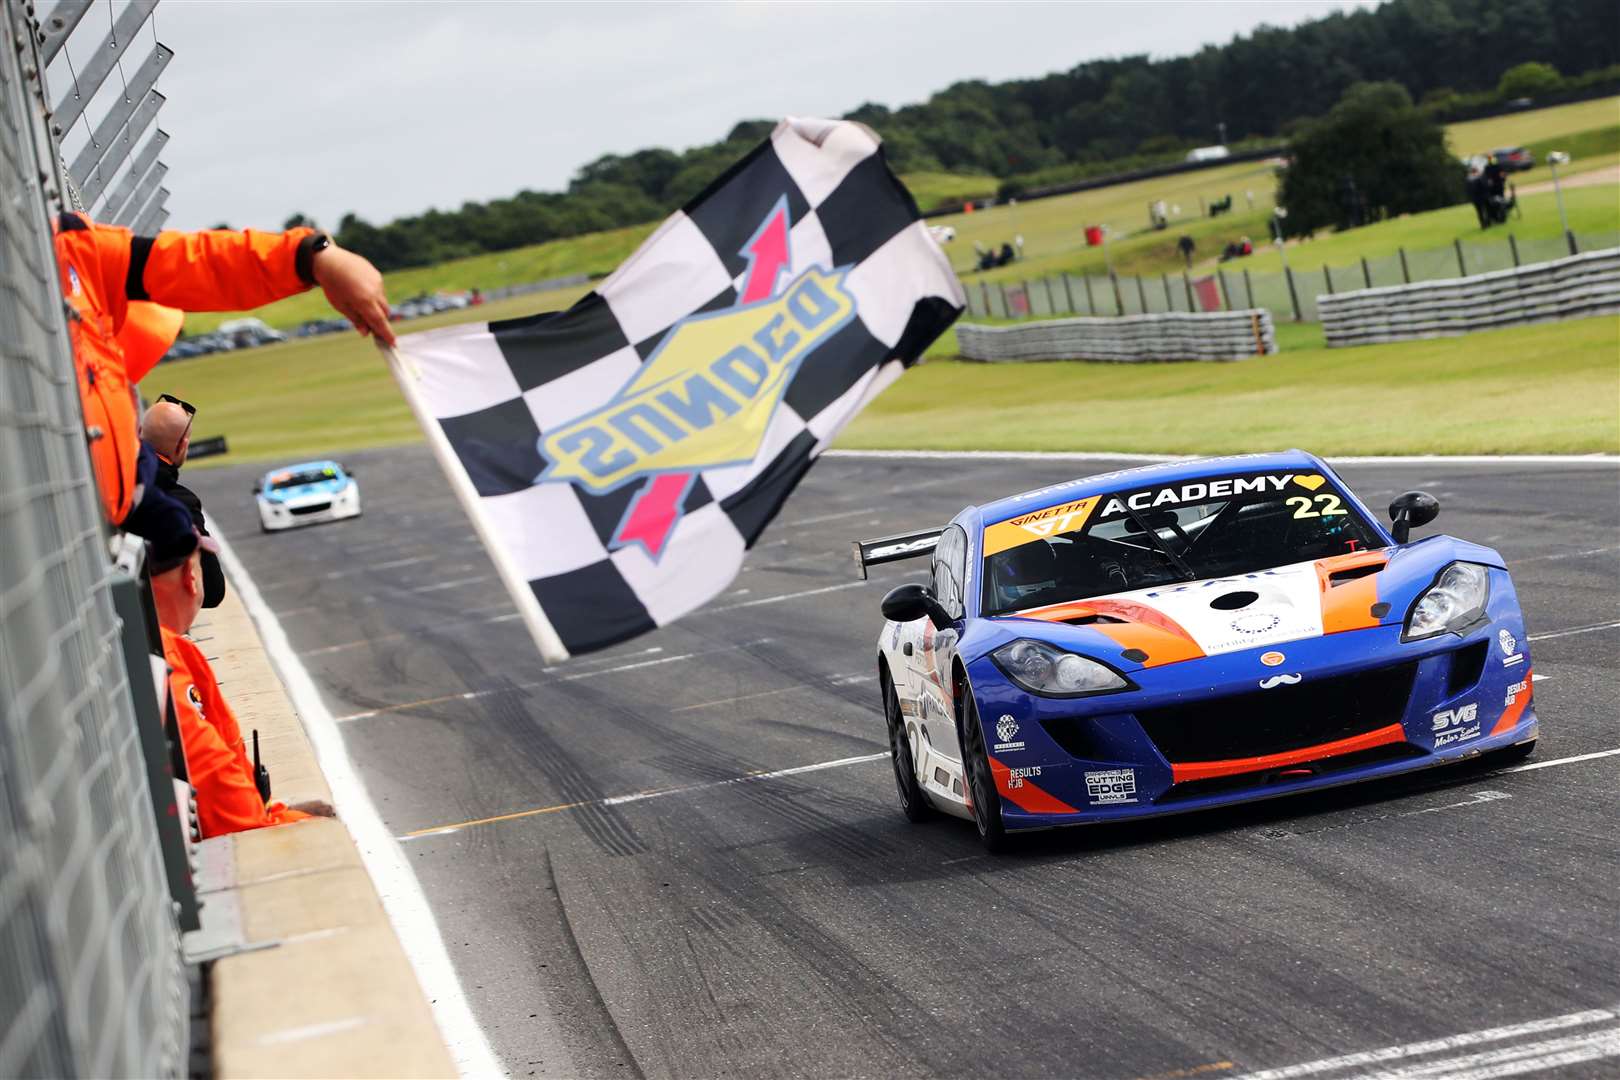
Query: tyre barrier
x=1570, y=288
x=1223, y=335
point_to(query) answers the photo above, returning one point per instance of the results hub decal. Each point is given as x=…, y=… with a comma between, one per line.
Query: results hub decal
x=705, y=397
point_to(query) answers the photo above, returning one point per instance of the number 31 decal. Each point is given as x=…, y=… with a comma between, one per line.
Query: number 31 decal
x=1327, y=506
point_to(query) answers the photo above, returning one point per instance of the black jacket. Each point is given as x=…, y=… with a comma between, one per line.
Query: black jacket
x=168, y=480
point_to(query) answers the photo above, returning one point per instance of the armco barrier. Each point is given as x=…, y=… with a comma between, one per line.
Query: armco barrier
x=1570, y=288
x=1226, y=335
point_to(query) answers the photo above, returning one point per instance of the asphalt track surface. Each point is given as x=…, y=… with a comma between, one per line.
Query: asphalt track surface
x=797, y=925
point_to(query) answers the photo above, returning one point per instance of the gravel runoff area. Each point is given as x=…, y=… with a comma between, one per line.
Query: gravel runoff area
x=618, y=900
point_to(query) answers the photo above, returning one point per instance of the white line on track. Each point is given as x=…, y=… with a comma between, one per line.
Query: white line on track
x=1574, y=630
x=779, y=599
x=643, y=796
x=818, y=519
x=1566, y=555
x=1094, y=455
x=325, y=650
x=385, y=861
x=473, y=695
x=1401, y=1051
x=834, y=680
x=1534, y=765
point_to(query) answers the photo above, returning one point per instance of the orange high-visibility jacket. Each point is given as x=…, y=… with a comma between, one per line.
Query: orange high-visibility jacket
x=221, y=772
x=104, y=267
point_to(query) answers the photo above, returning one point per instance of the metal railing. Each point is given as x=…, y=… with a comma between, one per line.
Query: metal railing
x=1233, y=335
x=1579, y=286
x=1287, y=294
x=91, y=977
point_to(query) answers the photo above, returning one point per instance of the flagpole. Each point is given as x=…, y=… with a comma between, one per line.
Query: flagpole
x=550, y=644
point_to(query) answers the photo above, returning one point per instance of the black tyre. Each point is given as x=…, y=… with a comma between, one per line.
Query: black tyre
x=913, y=801
x=1516, y=753
x=982, y=783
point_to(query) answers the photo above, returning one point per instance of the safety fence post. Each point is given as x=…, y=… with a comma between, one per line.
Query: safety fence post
x=1513, y=248
x=1029, y=305
x=1327, y=276
x=1006, y=305
x=1462, y=264
x=1293, y=293
x=1068, y=291
x=1226, y=293
x=1169, y=301
x=1406, y=273
x=1119, y=299
x=1091, y=304
x=1366, y=274
x=1141, y=293
x=1248, y=287
x=1051, y=308
x=1186, y=283
x=984, y=287
x=1574, y=245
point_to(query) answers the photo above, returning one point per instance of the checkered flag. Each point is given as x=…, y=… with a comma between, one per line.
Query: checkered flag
x=618, y=458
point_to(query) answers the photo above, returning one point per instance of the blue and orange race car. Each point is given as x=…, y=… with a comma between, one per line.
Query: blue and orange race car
x=1189, y=635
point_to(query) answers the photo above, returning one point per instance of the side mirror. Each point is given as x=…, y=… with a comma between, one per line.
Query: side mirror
x=906, y=603
x=1410, y=510
x=258, y=486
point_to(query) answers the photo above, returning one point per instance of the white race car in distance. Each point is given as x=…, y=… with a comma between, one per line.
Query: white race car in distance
x=305, y=494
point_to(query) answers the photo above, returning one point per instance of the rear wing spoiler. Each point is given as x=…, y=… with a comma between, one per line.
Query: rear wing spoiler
x=886, y=549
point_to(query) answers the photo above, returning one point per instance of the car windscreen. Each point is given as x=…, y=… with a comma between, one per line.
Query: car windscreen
x=303, y=476
x=1183, y=531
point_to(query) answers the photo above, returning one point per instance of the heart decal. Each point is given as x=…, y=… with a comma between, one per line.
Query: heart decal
x=1311, y=482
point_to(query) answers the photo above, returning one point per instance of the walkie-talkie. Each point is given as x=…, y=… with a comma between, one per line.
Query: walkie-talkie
x=261, y=775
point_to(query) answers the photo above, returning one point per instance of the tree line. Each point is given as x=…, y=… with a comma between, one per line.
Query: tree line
x=1451, y=56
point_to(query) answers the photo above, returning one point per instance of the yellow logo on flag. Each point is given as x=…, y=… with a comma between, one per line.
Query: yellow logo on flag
x=705, y=398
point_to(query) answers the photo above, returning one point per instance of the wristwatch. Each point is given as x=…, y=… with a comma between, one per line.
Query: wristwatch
x=308, y=248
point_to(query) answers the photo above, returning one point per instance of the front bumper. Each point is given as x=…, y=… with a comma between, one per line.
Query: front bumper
x=1206, y=732
x=276, y=516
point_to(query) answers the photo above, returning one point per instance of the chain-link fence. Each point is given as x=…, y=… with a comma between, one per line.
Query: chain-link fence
x=91, y=978
x=1287, y=295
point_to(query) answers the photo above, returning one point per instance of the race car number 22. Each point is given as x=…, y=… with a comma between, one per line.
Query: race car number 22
x=1330, y=506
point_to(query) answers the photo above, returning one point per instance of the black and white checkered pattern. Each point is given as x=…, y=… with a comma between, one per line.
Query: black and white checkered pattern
x=493, y=388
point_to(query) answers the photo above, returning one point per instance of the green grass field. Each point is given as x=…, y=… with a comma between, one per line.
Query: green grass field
x=1523, y=128
x=1533, y=389
x=1538, y=389
x=934, y=189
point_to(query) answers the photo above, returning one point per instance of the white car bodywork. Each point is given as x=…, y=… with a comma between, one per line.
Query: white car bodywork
x=309, y=509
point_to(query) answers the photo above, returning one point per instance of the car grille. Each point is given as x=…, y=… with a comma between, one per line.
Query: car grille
x=1308, y=713
x=312, y=508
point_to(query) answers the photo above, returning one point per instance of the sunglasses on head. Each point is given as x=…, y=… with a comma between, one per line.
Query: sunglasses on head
x=191, y=410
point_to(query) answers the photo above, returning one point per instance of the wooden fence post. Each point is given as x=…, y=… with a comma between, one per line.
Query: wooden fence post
x=1141, y=293
x=1068, y=291
x=1187, y=284
x=1462, y=264
x=1406, y=273
x=1293, y=293
x=1366, y=274
x=984, y=287
x=1248, y=287
x=1119, y=299
x=1327, y=276
x=1226, y=292
x=1513, y=247
x=1091, y=304
x=1169, y=303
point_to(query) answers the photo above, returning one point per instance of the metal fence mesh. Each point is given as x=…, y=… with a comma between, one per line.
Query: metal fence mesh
x=91, y=980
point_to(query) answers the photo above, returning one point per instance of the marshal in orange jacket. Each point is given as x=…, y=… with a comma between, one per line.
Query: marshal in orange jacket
x=220, y=771
x=104, y=267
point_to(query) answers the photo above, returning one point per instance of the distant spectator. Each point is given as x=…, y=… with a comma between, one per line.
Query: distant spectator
x=166, y=428
x=104, y=268
x=1186, y=245
x=220, y=771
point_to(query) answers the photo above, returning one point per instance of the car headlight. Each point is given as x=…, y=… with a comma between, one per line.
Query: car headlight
x=1045, y=669
x=1455, y=600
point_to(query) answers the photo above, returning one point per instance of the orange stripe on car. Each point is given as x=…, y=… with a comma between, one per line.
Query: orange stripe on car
x=1521, y=701
x=1027, y=796
x=1181, y=772
x=1155, y=633
x=1348, y=606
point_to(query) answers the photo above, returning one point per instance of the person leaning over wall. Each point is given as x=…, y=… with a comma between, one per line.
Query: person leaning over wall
x=166, y=428
x=104, y=269
x=219, y=769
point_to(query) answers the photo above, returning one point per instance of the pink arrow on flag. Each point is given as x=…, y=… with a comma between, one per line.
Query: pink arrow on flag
x=657, y=507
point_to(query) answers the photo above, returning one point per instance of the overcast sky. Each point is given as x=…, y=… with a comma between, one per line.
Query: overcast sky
x=390, y=108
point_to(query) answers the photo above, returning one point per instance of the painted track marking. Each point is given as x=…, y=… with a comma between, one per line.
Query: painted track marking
x=642, y=796
x=779, y=599
x=1574, y=630
x=384, y=860
x=1431, y=1046
x=832, y=680
x=746, y=778
x=473, y=695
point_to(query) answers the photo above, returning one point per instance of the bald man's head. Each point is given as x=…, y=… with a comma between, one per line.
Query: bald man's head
x=166, y=428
